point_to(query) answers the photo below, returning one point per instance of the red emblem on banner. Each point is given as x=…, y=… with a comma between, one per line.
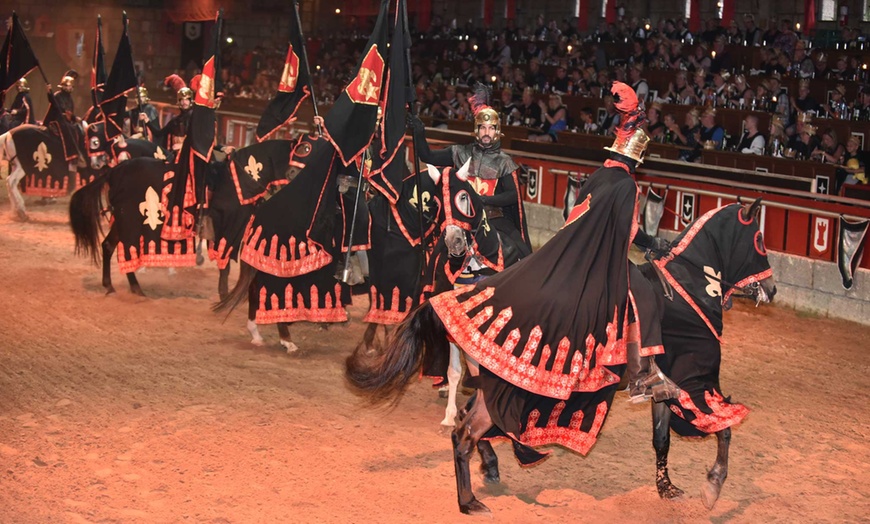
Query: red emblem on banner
x=821, y=236
x=291, y=72
x=205, y=91
x=579, y=210
x=366, y=87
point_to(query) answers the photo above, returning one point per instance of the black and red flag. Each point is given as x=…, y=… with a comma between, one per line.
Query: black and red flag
x=294, y=87
x=121, y=80
x=202, y=118
x=350, y=123
x=17, y=56
x=98, y=72
x=388, y=167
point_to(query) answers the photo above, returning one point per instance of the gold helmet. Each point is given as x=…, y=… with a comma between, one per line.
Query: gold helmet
x=67, y=81
x=631, y=146
x=143, y=94
x=487, y=115
x=23, y=86
x=185, y=93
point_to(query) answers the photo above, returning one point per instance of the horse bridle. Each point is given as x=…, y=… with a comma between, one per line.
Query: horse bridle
x=753, y=290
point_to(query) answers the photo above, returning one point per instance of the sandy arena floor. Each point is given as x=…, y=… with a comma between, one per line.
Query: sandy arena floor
x=127, y=409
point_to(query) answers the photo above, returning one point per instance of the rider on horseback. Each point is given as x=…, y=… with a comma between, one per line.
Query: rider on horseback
x=21, y=110
x=61, y=120
x=171, y=136
x=492, y=172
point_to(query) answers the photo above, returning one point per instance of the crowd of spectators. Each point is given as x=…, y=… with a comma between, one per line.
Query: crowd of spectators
x=531, y=70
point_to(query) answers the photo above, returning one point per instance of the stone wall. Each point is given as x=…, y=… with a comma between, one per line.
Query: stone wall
x=805, y=284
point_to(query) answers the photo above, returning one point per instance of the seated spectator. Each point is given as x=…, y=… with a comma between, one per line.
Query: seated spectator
x=802, y=64
x=510, y=110
x=700, y=59
x=530, y=111
x=803, y=143
x=778, y=139
x=555, y=116
x=711, y=134
x=699, y=84
x=587, y=121
x=738, y=92
x=655, y=128
x=610, y=121
x=640, y=86
x=559, y=85
x=804, y=101
x=853, y=164
x=830, y=150
x=836, y=107
x=679, y=91
x=753, y=141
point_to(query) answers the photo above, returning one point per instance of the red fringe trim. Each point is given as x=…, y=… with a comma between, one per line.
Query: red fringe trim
x=221, y=255
x=724, y=413
x=47, y=187
x=378, y=315
x=518, y=370
x=151, y=259
x=287, y=261
x=333, y=312
x=571, y=437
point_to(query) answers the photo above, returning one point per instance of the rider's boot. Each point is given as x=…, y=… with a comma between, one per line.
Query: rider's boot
x=645, y=379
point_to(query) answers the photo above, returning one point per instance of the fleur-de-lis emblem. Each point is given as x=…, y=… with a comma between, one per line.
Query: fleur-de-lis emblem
x=253, y=168
x=480, y=187
x=160, y=154
x=425, y=200
x=42, y=157
x=150, y=209
x=714, y=288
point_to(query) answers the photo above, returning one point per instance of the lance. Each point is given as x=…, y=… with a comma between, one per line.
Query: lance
x=345, y=275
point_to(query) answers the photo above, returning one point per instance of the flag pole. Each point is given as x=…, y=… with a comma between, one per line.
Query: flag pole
x=139, y=127
x=305, y=62
x=201, y=197
x=345, y=274
x=410, y=96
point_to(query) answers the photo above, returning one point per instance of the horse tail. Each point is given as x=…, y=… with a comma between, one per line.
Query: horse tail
x=85, y=208
x=384, y=377
x=247, y=274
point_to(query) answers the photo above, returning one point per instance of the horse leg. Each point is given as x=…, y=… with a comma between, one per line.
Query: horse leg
x=256, y=338
x=489, y=462
x=16, y=174
x=284, y=333
x=109, y=244
x=661, y=415
x=366, y=345
x=473, y=424
x=717, y=474
x=454, y=373
x=224, y=281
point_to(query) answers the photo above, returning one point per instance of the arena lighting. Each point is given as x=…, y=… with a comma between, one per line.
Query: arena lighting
x=570, y=48
x=317, y=67
x=474, y=47
x=493, y=78
x=797, y=26
x=229, y=40
x=714, y=54
x=646, y=27
x=337, y=10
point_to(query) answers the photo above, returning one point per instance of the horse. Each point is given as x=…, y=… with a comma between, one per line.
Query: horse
x=33, y=150
x=138, y=216
x=423, y=333
x=720, y=255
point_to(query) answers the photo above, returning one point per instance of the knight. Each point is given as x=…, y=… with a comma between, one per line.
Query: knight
x=494, y=174
x=171, y=136
x=61, y=120
x=140, y=115
x=21, y=110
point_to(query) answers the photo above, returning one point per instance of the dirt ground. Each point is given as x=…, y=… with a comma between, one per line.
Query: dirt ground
x=127, y=409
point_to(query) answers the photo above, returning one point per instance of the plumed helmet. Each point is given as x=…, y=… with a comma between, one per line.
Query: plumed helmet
x=483, y=111
x=143, y=94
x=22, y=85
x=631, y=141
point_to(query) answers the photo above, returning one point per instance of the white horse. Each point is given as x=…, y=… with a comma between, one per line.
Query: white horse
x=9, y=154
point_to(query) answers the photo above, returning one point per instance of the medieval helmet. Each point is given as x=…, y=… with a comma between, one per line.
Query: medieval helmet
x=143, y=94
x=69, y=79
x=631, y=141
x=483, y=111
x=23, y=86
x=185, y=93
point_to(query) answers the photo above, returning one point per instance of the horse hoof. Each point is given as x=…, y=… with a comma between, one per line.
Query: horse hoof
x=710, y=494
x=475, y=507
x=21, y=216
x=671, y=492
x=258, y=342
x=110, y=291
x=289, y=346
x=492, y=479
x=138, y=292
x=200, y=260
